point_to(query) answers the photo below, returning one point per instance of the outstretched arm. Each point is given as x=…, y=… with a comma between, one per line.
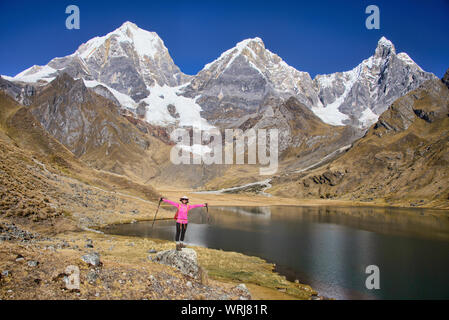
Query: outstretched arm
x=171, y=202
x=192, y=206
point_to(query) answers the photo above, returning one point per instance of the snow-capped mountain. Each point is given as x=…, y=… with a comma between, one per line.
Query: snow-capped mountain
x=132, y=67
x=128, y=60
x=360, y=95
x=237, y=83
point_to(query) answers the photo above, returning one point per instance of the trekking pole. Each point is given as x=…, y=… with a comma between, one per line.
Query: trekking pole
x=207, y=210
x=154, y=219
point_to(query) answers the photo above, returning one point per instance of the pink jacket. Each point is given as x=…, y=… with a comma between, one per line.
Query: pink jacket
x=183, y=210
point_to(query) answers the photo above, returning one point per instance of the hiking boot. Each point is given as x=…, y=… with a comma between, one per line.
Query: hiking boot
x=182, y=245
x=178, y=247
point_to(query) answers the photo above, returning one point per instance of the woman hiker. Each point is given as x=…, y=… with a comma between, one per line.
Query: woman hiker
x=181, y=218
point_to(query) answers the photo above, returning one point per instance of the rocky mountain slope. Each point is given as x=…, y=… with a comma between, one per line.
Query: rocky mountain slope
x=28, y=146
x=402, y=159
x=93, y=129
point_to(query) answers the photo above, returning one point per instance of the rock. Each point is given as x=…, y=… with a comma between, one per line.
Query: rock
x=152, y=251
x=65, y=244
x=185, y=261
x=189, y=284
x=33, y=263
x=92, y=258
x=92, y=276
x=6, y=273
x=89, y=243
x=19, y=258
x=71, y=277
x=243, y=290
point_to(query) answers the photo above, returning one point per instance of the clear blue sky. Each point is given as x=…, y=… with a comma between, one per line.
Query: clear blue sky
x=314, y=36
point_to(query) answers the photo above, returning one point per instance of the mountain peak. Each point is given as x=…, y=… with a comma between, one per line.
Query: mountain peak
x=129, y=24
x=384, y=47
x=145, y=42
x=248, y=41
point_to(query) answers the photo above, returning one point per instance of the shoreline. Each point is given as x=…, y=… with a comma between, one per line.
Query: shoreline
x=248, y=199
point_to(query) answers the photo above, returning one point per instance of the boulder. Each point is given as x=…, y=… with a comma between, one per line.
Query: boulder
x=184, y=260
x=92, y=259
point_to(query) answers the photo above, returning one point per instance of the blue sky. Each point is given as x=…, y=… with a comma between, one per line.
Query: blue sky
x=314, y=36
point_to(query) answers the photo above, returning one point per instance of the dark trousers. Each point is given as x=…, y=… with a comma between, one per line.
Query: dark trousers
x=180, y=230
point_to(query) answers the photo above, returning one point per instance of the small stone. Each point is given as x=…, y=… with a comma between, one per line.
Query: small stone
x=152, y=251
x=242, y=287
x=189, y=284
x=92, y=276
x=243, y=290
x=6, y=273
x=20, y=258
x=89, y=244
x=33, y=263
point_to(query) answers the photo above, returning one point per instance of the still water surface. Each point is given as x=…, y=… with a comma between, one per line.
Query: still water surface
x=329, y=248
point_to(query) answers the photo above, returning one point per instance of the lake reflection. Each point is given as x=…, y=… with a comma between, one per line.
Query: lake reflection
x=329, y=248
